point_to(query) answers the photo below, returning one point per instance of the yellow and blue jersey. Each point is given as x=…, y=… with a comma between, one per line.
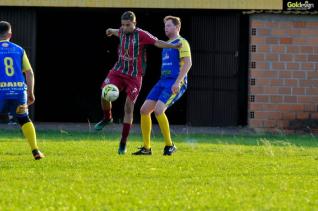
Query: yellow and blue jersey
x=13, y=62
x=171, y=66
x=171, y=59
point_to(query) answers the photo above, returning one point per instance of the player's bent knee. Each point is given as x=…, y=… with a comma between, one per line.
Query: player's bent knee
x=158, y=111
x=145, y=111
x=23, y=120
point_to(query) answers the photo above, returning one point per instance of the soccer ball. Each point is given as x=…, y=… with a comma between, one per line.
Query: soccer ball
x=110, y=92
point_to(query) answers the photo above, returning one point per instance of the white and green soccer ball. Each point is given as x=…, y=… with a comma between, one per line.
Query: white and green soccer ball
x=110, y=92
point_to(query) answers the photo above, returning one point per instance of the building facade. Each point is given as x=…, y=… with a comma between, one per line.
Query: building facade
x=254, y=65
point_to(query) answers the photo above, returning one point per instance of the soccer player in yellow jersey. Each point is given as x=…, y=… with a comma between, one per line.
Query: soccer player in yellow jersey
x=173, y=83
x=15, y=91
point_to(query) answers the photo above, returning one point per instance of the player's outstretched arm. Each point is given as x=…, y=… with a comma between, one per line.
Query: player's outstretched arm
x=110, y=32
x=29, y=76
x=163, y=44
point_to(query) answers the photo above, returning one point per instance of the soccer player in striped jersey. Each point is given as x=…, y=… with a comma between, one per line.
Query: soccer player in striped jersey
x=127, y=71
x=15, y=91
x=173, y=83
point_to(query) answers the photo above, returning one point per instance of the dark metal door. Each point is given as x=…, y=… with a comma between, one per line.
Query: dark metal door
x=215, y=90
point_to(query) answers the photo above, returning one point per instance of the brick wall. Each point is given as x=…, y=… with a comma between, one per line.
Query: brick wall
x=283, y=72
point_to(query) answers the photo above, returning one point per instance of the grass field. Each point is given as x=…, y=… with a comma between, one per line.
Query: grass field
x=83, y=172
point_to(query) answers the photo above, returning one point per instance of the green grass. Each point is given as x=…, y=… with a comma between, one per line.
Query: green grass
x=83, y=172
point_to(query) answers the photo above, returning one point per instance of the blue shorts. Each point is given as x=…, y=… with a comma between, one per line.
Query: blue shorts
x=162, y=91
x=11, y=103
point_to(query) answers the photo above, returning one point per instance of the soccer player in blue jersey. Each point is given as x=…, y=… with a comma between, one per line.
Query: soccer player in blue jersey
x=15, y=90
x=173, y=83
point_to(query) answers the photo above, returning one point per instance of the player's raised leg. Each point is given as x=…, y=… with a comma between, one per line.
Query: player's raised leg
x=112, y=78
x=107, y=115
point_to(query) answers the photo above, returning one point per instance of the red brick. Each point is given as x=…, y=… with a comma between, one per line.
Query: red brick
x=312, y=91
x=300, y=58
x=284, y=90
x=270, y=123
x=291, y=82
x=271, y=90
x=312, y=75
x=256, y=40
x=312, y=40
x=283, y=124
x=292, y=66
x=275, y=115
x=302, y=115
x=290, y=99
x=257, y=56
x=306, y=99
x=256, y=90
x=309, y=32
x=255, y=123
x=290, y=107
x=293, y=31
x=262, y=32
x=271, y=24
x=285, y=24
x=284, y=74
x=277, y=82
x=262, y=48
x=268, y=115
x=255, y=24
x=306, y=49
x=312, y=24
x=256, y=106
x=313, y=58
x=278, y=49
x=261, y=99
x=261, y=65
x=286, y=40
x=289, y=115
x=271, y=57
x=279, y=31
x=271, y=40
x=299, y=24
x=263, y=74
x=276, y=99
x=299, y=74
x=262, y=114
x=307, y=66
x=293, y=49
x=314, y=115
x=298, y=91
x=310, y=107
x=305, y=83
x=262, y=82
x=285, y=57
x=299, y=40
x=278, y=66
x=270, y=107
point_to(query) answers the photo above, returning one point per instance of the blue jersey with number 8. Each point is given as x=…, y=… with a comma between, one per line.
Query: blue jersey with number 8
x=13, y=62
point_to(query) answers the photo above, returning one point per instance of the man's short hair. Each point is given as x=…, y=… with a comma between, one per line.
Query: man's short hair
x=175, y=20
x=5, y=27
x=129, y=15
